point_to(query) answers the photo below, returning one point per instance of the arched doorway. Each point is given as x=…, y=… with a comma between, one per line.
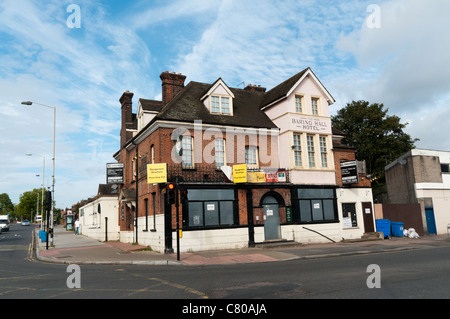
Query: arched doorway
x=271, y=213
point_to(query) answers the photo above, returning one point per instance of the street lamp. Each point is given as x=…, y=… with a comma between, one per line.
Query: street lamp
x=53, y=158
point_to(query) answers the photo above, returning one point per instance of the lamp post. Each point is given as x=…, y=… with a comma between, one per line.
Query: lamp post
x=53, y=157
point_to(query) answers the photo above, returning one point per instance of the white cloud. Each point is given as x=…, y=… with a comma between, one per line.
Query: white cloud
x=82, y=72
x=403, y=64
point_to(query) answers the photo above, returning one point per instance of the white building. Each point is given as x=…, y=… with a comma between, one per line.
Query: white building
x=99, y=218
x=422, y=176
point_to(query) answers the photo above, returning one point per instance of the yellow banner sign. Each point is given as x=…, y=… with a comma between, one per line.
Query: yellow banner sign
x=256, y=177
x=156, y=173
x=240, y=173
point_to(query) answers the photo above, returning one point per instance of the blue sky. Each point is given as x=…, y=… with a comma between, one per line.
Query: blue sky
x=125, y=45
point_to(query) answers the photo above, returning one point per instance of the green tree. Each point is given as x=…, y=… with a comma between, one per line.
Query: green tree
x=378, y=137
x=6, y=205
x=26, y=209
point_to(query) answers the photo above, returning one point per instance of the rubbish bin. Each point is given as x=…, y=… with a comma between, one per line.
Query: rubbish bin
x=384, y=226
x=397, y=229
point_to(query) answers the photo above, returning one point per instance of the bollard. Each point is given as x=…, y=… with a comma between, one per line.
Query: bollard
x=106, y=229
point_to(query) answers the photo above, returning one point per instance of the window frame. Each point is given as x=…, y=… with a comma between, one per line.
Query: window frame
x=185, y=164
x=323, y=151
x=247, y=149
x=311, y=150
x=299, y=98
x=309, y=201
x=203, y=203
x=220, y=106
x=218, y=152
x=316, y=110
x=297, y=149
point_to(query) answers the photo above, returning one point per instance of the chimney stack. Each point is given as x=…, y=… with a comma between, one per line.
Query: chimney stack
x=127, y=117
x=255, y=88
x=172, y=84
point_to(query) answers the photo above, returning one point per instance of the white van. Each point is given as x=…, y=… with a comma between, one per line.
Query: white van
x=4, y=222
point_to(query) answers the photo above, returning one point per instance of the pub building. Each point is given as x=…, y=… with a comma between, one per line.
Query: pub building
x=251, y=166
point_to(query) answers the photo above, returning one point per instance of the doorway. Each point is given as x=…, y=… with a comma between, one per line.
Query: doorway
x=368, y=217
x=271, y=216
x=431, y=222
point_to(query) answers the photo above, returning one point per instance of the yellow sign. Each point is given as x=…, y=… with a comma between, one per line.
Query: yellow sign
x=156, y=173
x=240, y=173
x=256, y=177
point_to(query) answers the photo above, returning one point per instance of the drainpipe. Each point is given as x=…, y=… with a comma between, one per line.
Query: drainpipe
x=137, y=190
x=251, y=227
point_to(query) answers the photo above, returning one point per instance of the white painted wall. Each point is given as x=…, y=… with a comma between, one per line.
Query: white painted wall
x=93, y=223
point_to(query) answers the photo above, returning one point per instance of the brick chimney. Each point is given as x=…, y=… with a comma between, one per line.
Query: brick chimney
x=172, y=84
x=255, y=88
x=127, y=117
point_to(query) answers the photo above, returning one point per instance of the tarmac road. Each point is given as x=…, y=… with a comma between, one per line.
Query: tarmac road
x=420, y=271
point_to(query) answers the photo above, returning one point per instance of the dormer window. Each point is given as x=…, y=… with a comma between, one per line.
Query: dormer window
x=220, y=105
x=219, y=98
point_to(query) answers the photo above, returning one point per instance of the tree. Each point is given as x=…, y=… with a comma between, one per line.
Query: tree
x=378, y=138
x=6, y=205
x=26, y=209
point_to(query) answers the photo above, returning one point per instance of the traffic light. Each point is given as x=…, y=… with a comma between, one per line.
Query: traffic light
x=48, y=201
x=184, y=195
x=171, y=193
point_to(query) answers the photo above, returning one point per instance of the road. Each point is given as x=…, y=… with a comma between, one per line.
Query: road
x=422, y=273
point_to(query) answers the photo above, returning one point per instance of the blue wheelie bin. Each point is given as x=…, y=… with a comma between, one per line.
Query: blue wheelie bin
x=43, y=236
x=397, y=229
x=384, y=226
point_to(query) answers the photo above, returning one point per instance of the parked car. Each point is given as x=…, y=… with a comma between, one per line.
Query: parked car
x=25, y=223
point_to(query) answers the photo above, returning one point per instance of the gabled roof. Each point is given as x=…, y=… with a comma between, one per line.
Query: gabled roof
x=214, y=86
x=187, y=106
x=107, y=189
x=284, y=89
x=150, y=105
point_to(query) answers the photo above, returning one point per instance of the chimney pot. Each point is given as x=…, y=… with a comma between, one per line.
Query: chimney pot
x=255, y=88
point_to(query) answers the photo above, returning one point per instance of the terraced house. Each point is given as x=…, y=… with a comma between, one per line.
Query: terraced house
x=292, y=187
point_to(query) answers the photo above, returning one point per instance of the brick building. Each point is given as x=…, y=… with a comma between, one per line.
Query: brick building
x=201, y=131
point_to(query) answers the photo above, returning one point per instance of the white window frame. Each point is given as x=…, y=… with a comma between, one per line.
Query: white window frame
x=220, y=107
x=255, y=155
x=297, y=149
x=311, y=150
x=323, y=151
x=221, y=153
x=299, y=98
x=185, y=164
x=317, y=110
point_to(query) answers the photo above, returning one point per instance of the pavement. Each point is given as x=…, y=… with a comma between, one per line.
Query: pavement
x=69, y=248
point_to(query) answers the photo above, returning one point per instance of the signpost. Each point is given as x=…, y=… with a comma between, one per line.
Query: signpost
x=114, y=173
x=349, y=172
